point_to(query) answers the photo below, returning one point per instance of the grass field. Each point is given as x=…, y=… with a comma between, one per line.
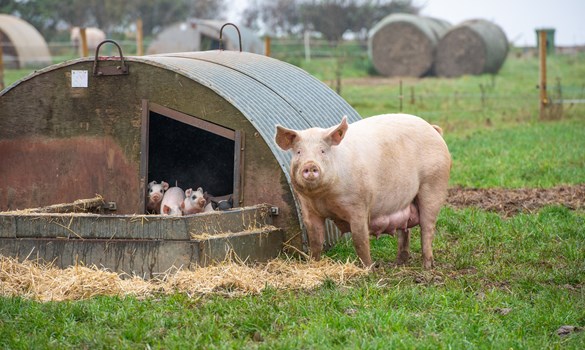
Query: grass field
x=499, y=283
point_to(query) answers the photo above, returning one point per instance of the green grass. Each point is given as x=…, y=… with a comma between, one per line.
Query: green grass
x=12, y=75
x=531, y=265
x=541, y=155
x=498, y=284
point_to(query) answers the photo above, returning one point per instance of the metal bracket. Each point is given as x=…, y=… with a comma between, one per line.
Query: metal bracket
x=111, y=206
x=122, y=69
x=274, y=211
x=221, y=31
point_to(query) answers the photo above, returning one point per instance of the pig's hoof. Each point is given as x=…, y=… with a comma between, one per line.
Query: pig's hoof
x=402, y=259
x=428, y=264
x=376, y=266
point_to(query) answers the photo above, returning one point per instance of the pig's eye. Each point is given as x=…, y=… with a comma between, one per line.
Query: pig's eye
x=298, y=152
x=322, y=151
x=150, y=190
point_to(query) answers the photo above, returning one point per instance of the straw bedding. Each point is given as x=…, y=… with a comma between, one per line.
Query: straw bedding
x=44, y=282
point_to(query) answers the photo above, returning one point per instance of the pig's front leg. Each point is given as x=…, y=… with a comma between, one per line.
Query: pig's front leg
x=316, y=232
x=403, y=246
x=315, y=225
x=360, y=235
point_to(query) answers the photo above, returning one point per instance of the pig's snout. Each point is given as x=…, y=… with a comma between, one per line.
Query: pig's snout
x=310, y=171
x=156, y=197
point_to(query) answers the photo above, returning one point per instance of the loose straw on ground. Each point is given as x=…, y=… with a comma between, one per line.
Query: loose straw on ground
x=44, y=282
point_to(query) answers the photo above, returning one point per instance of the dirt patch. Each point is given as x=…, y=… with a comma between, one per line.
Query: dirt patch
x=508, y=202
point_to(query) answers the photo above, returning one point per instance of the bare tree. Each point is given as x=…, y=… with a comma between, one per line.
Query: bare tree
x=109, y=15
x=274, y=16
x=332, y=18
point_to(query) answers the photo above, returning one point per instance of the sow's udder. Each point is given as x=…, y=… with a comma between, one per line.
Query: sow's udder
x=400, y=220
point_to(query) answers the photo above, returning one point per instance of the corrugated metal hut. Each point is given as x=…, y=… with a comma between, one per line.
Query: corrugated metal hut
x=22, y=45
x=196, y=119
x=201, y=35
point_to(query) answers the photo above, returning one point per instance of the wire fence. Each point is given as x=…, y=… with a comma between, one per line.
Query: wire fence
x=349, y=59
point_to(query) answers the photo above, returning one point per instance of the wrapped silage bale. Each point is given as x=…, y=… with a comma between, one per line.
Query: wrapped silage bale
x=473, y=47
x=404, y=44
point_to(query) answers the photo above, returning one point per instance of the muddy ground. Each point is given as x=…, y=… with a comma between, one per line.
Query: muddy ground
x=508, y=202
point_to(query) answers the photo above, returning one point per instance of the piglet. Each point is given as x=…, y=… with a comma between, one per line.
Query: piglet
x=195, y=202
x=156, y=192
x=171, y=202
x=222, y=204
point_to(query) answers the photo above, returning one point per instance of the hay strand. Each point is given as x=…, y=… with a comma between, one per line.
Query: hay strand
x=45, y=282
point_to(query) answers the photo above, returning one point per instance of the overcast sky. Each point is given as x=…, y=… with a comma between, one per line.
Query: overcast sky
x=518, y=18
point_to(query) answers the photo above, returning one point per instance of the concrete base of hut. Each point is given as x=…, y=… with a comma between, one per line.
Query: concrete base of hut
x=142, y=245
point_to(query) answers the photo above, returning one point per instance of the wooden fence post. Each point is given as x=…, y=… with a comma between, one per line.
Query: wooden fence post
x=267, y=45
x=1, y=64
x=542, y=85
x=139, y=44
x=83, y=37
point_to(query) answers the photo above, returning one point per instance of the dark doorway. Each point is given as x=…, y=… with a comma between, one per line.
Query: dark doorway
x=189, y=152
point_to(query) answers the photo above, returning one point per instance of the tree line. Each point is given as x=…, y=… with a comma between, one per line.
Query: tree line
x=331, y=18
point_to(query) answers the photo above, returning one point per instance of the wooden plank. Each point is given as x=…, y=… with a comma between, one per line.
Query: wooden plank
x=146, y=258
x=259, y=245
x=92, y=226
x=79, y=206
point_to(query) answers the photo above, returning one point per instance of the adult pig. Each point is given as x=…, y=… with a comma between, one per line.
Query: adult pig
x=156, y=192
x=171, y=202
x=367, y=174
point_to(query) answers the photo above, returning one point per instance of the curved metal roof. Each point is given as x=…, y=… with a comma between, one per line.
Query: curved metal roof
x=30, y=46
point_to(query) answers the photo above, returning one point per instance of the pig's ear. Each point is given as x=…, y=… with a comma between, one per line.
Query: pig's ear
x=166, y=209
x=165, y=185
x=188, y=192
x=285, y=138
x=182, y=205
x=338, y=133
x=200, y=189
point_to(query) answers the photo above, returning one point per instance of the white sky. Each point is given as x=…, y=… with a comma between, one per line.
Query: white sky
x=518, y=18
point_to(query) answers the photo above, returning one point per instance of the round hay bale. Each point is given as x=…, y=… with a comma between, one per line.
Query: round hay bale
x=473, y=47
x=404, y=44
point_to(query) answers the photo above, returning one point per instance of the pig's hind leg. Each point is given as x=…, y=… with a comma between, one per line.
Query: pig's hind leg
x=430, y=199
